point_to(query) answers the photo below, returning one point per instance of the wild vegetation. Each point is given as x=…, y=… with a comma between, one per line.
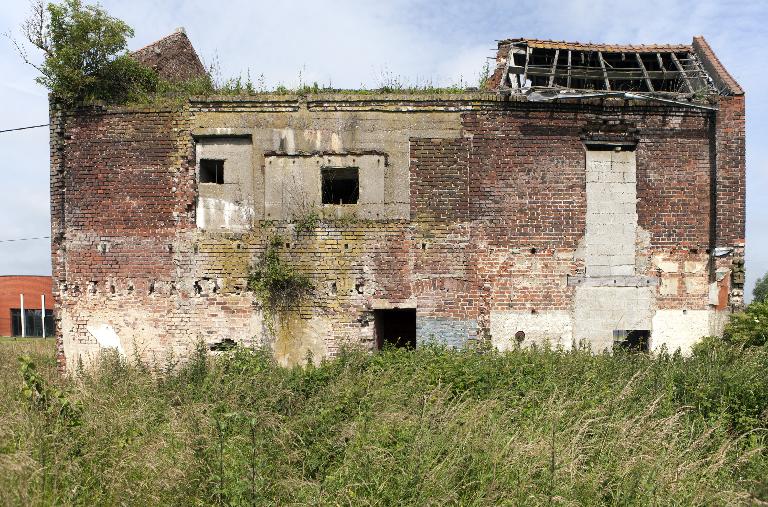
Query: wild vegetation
x=425, y=427
x=85, y=58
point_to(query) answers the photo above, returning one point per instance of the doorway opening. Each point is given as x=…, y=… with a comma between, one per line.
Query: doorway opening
x=395, y=328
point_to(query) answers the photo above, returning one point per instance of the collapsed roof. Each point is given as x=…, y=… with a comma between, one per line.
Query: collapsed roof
x=525, y=65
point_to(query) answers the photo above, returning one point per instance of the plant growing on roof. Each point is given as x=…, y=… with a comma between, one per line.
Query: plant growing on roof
x=84, y=53
x=277, y=285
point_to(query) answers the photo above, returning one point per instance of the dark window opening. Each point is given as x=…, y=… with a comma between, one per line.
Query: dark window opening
x=341, y=185
x=212, y=171
x=33, y=322
x=636, y=340
x=597, y=146
x=395, y=328
x=223, y=345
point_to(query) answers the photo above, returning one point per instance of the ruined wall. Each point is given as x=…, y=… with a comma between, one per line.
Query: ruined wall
x=488, y=216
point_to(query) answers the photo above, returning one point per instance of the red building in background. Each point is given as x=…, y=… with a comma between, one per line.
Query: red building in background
x=22, y=301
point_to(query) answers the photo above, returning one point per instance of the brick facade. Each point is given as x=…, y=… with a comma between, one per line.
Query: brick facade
x=476, y=216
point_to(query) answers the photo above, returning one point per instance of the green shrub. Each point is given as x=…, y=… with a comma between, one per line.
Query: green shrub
x=276, y=284
x=85, y=55
x=750, y=327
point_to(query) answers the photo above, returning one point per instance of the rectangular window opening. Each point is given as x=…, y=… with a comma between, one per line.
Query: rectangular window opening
x=604, y=146
x=395, y=328
x=340, y=185
x=635, y=340
x=212, y=171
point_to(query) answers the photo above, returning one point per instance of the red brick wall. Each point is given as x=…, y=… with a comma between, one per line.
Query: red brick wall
x=731, y=170
x=497, y=217
x=32, y=287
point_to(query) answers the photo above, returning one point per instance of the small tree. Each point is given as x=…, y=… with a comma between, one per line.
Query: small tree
x=85, y=55
x=760, y=292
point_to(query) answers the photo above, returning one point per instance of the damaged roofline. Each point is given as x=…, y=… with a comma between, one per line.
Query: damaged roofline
x=538, y=96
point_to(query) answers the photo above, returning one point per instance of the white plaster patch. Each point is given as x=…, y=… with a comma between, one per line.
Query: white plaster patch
x=553, y=327
x=680, y=329
x=106, y=337
x=214, y=213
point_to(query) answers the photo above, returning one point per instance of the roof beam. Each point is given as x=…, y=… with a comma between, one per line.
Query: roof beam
x=525, y=69
x=605, y=74
x=661, y=62
x=682, y=71
x=645, y=72
x=568, y=83
x=554, y=67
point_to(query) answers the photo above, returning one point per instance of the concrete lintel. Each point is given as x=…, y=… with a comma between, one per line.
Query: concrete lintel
x=383, y=304
x=612, y=281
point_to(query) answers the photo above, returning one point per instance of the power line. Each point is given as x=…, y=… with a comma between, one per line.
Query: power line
x=25, y=128
x=23, y=239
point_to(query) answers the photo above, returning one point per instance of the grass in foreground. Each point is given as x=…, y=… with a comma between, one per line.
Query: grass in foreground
x=428, y=427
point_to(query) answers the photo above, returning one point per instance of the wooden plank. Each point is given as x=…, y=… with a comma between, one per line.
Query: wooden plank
x=568, y=83
x=525, y=69
x=605, y=74
x=597, y=74
x=682, y=71
x=554, y=67
x=661, y=62
x=645, y=72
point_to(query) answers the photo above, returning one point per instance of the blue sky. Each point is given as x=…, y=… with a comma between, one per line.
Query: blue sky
x=353, y=43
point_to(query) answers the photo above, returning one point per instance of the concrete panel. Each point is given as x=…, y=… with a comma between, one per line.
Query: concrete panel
x=598, y=311
x=550, y=327
x=293, y=186
x=680, y=329
x=227, y=206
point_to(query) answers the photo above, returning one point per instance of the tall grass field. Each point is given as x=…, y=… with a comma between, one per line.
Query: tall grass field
x=425, y=427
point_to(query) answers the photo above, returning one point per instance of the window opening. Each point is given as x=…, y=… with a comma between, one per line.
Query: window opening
x=636, y=340
x=212, y=171
x=395, y=328
x=341, y=185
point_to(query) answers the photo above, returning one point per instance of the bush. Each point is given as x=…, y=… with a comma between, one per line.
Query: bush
x=85, y=55
x=750, y=327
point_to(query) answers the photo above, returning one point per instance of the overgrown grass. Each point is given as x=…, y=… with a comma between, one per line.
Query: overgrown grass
x=425, y=427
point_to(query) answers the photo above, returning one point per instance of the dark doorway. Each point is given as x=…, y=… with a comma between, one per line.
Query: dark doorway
x=395, y=328
x=636, y=340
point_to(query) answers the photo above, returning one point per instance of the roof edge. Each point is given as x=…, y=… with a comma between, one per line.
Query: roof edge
x=714, y=67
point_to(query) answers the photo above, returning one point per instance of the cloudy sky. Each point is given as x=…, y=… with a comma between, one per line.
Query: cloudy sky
x=360, y=42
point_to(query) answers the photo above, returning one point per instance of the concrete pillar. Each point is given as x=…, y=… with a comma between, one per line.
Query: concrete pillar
x=23, y=325
x=42, y=318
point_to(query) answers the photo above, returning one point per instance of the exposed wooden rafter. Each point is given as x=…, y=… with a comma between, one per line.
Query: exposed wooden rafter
x=645, y=72
x=682, y=71
x=568, y=83
x=605, y=73
x=552, y=70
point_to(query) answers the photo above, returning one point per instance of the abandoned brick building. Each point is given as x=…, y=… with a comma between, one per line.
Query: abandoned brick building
x=591, y=193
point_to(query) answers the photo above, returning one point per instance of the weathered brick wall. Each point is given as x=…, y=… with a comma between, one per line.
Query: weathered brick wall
x=497, y=221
